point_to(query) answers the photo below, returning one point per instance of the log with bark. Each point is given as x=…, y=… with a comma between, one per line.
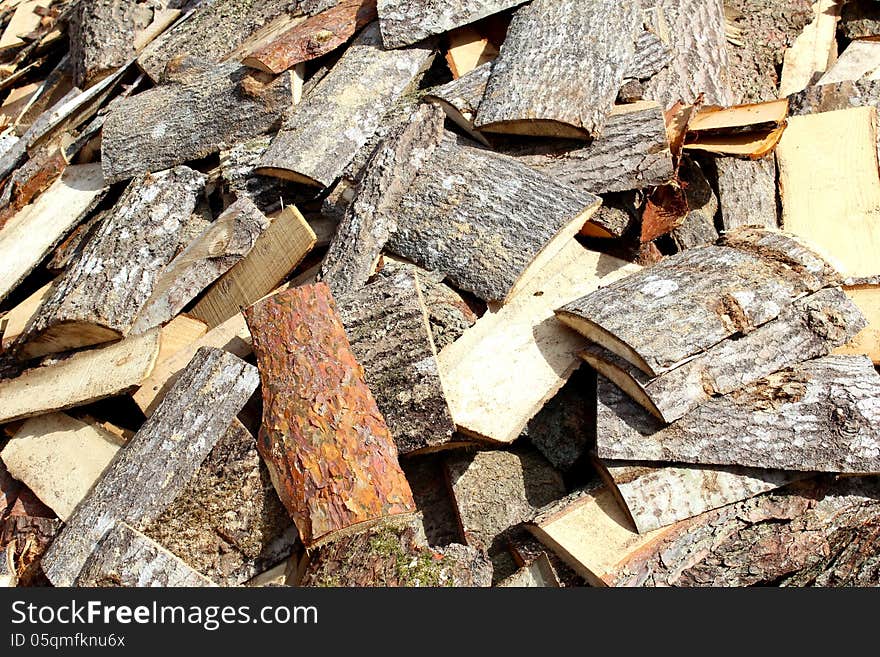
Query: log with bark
x=28, y=537
x=747, y=192
x=859, y=19
x=538, y=574
x=145, y=477
x=238, y=166
x=461, y=99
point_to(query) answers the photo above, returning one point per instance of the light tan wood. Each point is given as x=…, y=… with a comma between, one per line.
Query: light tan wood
x=13, y=323
x=468, y=49
x=178, y=334
x=867, y=298
x=59, y=458
x=861, y=59
x=23, y=21
x=83, y=378
x=18, y=99
x=512, y=361
x=739, y=116
x=275, y=255
x=815, y=49
x=830, y=187
x=162, y=19
x=753, y=145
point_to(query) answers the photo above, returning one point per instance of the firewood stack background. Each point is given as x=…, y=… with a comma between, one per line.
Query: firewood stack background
x=392, y=293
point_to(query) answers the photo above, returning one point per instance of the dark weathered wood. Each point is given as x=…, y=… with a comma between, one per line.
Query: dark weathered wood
x=314, y=37
x=484, y=219
x=698, y=226
x=372, y=217
x=28, y=537
x=461, y=98
x=125, y=557
x=561, y=67
x=426, y=476
x=100, y=296
x=405, y=22
x=811, y=327
x=819, y=415
x=387, y=325
x=332, y=458
x=859, y=19
x=148, y=474
x=238, y=166
x=29, y=181
x=747, y=192
x=325, y=131
x=693, y=300
x=394, y=553
x=228, y=523
x=199, y=108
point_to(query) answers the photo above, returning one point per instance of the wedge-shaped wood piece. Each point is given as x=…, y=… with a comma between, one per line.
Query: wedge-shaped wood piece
x=38, y=228
x=695, y=299
x=221, y=246
x=750, y=145
x=727, y=119
x=125, y=557
x=199, y=108
x=387, y=325
x=830, y=186
x=326, y=130
x=820, y=415
x=867, y=298
x=100, y=296
x=814, y=51
x=483, y=370
x=276, y=253
x=24, y=21
x=811, y=327
x=238, y=167
x=404, y=22
x=461, y=99
x=83, y=378
x=485, y=219
x=59, y=458
x=861, y=59
x=330, y=453
x=314, y=37
x=178, y=334
x=747, y=192
x=372, y=218
x=560, y=69
x=14, y=323
x=161, y=459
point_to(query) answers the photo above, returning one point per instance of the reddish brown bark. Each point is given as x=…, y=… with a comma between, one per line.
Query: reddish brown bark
x=30, y=181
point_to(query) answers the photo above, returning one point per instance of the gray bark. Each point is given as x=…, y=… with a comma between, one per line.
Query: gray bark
x=387, y=325
x=161, y=459
x=747, y=192
x=448, y=313
x=100, y=296
x=327, y=129
x=651, y=56
x=372, y=217
x=698, y=227
x=693, y=300
x=28, y=537
x=125, y=557
x=404, y=22
x=483, y=218
x=819, y=415
x=461, y=98
x=238, y=167
x=561, y=67
x=618, y=214
x=200, y=108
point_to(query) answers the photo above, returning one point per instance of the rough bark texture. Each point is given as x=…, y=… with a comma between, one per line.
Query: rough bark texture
x=698, y=226
x=651, y=56
x=561, y=67
x=198, y=109
x=331, y=456
x=483, y=219
x=819, y=415
x=325, y=131
x=372, y=217
x=394, y=553
x=448, y=313
x=146, y=476
x=405, y=22
x=427, y=478
x=747, y=192
x=228, y=523
x=461, y=98
x=125, y=557
x=100, y=296
x=693, y=300
x=859, y=19
x=28, y=537
x=538, y=574
x=387, y=325
x=29, y=181
x=238, y=166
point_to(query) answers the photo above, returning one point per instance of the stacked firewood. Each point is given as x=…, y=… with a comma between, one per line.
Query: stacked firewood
x=381, y=292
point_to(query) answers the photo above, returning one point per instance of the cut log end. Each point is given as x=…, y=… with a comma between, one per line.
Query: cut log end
x=66, y=336
x=600, y=336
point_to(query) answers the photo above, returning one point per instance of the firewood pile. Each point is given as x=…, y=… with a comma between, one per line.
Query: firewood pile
x=390, y=293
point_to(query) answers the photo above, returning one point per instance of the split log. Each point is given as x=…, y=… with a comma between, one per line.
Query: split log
x=125, y=557
x=538, y=574
x=213, y=253
x=814, y=51
x=404, y=23
x=314, y=37
x=29, y=181
x=461, y=99
x=306, y=362
x=238, y=166
x=24, y=21
x=200, y=107
x=811, y=327
x=484, y=219
x=698, y=226
x=37, y=229
x=652, y=55
x=83, y=378
x=8, y=574
x=325, y=131
x=159, y=461
x=372, y=217
x=448, y=313
x=14, y=323
x=178, y=334
x=695, y=299
x=830, y=186
x=482, y=371
x=819, y=415
x=387, y=325
x=861, y=59
x=59, y=458
x=227, y=523
x=619, y=213
x=277, y=252
x=558, y=82
x=99, y=297
x=747, y=192
x=526, y=550
x=867, y=299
